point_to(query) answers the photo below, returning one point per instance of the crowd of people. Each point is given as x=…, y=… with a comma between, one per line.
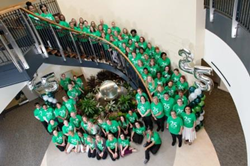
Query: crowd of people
x=168, y=109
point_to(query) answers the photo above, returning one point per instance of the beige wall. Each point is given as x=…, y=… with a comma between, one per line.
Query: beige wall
x=87, y=72
x=170, y=24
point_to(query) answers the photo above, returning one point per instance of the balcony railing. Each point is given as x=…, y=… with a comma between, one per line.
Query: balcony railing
x=243, y=13
x=27, y=30
x=225, y=7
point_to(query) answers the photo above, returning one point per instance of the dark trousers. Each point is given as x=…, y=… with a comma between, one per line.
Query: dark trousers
x=61, y=148
x=45, y=125
x=115, y=134
x=174, y=136
x=93, y=154
x=105, y=154
x=111, y=156
x=148, y=122
x=138, y=138
x=153, y=149
x=128, y=134
x=160, y=123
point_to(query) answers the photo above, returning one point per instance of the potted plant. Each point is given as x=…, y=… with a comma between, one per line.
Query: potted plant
x=89, y=107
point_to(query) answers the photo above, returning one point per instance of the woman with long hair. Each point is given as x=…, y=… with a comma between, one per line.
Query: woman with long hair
x=112, y=146
x=101, y=148
x=138, y=132
x=124, y=145
x=144, y=109
x=158, y=113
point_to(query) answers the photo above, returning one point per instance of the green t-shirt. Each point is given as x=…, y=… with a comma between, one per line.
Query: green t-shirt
x=99, y=145
x=160, y=95
x=140, y=68
x=103, y=125
x=155, y=138
x=84, y=125
x=124, y=143
x=39, y=113
x=145, y=76
x=157, y=56
x=143, y=45
x=151, y=87
x=73, y=93
x=168, y=105
x=160, y=81
x=117, y=29
x=105, y=27
x=76, y=121
x=49, y=114
x=138, y=97
x=125, y=37
x=143, y=108
x=74, y=140
x=111, y=144
x=176, y=78
x=68, y=128
x=184, y=99
x=132, y=118
x=79, y=83
x=188, y=120
x=153, y=70
x=163, y=63
x=48, y=16
x=182, y=86
x=91, y=144
x=157, y=109
x=134, y=60
x=52, y=127
x=65, y=82
x=174, y=125
x=123, y=124
x=70, y=105
x=140, y=130
x=113, y=128
x=58, y=139
x=131, y=46
x=171, y=90
x=135, y=38
x=166, y=75
x=150, y=51
x=62, y=112
x=179, y=109
x=64, y=23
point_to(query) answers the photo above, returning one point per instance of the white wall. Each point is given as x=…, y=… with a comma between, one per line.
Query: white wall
x=8, y=93
x=87, y=72
x=170, y=24
x=57, y=69
x=218, y=52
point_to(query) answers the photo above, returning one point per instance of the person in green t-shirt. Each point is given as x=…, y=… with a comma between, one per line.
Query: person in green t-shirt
x=105, y=26
x=38, y=113
x=78, y=89
x=113, y=127
x=163, y=61
x=73, y=142
x=171, y=89
x=48, y=113
x=139, y=94
x=153, y=68
x=67, y=127
x=124, y=125
x=142, y=43
x=131, y=117
x=125, y=35
x=59, y=140
x=103, y=126
x=133, y=58
x=152, y=145
x=45, y=13
x=70, y=104
x=150, y=50
x=63, y=21
x=138, y=133
x=189, y=122
x=134, y=37
x=124, y=146
x=76, y=120
x=84, y=124
x=101, y=148
x=61, y=112
x=179, y=107
x=82, y=142
x=176, y=76
x=159, y=80
x=151, y=85
x=79, y=82
x=175, y=126
x=144, y=109
x=112, y=147
x=53, y=125
x=168, y=103
x=72, y=92
x=145, y=74
x=182, y=84
x=91, y=146
x=159, y=92
x=167, y=73
x=92, y=129
x=64, y=82
x=157, y=54
x=114, y=28
x=182, y=97
x=158, y=113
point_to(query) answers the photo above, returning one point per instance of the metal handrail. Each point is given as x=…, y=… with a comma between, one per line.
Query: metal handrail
x=94, y=38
